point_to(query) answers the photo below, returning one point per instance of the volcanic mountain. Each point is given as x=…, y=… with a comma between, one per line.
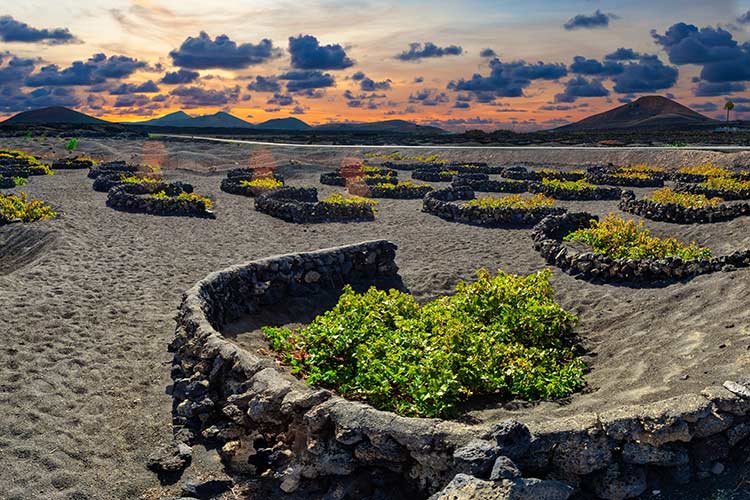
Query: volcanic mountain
x=650, y=112
x=55, y=114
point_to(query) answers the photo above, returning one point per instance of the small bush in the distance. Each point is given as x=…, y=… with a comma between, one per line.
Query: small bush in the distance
x=726, y=184
x=707, y=170
x=161, y=195
x=513, y=201
x=263, y=182
x=20, y=207
x=568, y=185
x=687, y=200
x=502, y=335
x=337, y=199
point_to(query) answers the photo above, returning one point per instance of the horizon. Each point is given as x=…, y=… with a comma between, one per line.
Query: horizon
x=456, y=67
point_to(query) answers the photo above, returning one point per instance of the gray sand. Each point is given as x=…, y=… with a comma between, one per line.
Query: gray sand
x=88, y=300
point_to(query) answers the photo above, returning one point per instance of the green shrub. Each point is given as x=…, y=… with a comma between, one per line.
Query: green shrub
x=558, y=184
x=643, y=169
x=620, y=239
x=20, y=181
x=726, y=184
x=502, y=335
x=263, y=182
x=632, y=175
x=687, y=200
x=19, y=207
x=708, y=170
x=337, y=199
x=133, y=179
x=71, y=145
x=402, y=184
x=513, y=201
x=161, y=195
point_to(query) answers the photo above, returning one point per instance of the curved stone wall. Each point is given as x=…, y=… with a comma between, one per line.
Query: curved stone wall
x=678, y=214
x=433, y=175
x=112, y=167
x=301, y=205
x=442, y=204
x=615, y=180
x=521, y=174
x=7, y=182
x=233, y=185
x=72, y=164
x=399, y=192
x=263, y=420
x=490, y=186
x=713, y=193
x=598, y=193
x=136, y=198
x=548, y=241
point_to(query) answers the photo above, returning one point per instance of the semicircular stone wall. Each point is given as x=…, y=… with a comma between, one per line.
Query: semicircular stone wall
x=262, y=419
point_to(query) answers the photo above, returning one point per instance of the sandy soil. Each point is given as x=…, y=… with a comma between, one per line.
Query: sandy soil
x=88, y=300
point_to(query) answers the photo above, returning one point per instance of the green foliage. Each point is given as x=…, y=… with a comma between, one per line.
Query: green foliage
x=338, y=199
x=726, y=184
x=513, y=201
x=642, y=169
x=19, y=207
x=30, y=160
x=133, y=179
x=402, y=185
x=708, y=170
x=397, y=156
x=502, y=335
x=20, y=181
x=161, y=195
x=71, y=145
x=632, y=175
x=687, y=200
x=28, y=135
x=568, y=185
x=622, y=239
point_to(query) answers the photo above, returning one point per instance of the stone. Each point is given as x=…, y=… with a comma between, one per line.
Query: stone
x=619, y=482
x=712, y=424
x=738, y=389
x=537, y=489
x=171, y=458
x=475, y=458
x=512, y=437
x=504, y=468
x=738, y=433
x=466, y=487
x=642, y=454
x=717, y=469
x=206, y=488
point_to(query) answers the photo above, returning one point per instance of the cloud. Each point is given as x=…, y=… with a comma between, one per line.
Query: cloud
x=461, y=105
x=195, y=97
x=180, y=77
x=581, y=87
x=596, y=20
x=744, y=18
x=16, y=31
x=97, y=69
x=307, y=53
x=148, y=87
x=128, y=101
x=265, y=84
x=298, y=110
x=418, y=79
x=16, y=71
x=487, y=53
x=584, y=66
x=687, y=44
x=281, y=100
x=418, y=51
x=13, y=100
x=358, y=76
x=712, y=89
x=508, y=79
x=647, y=75
x=222, y=52
x=302, y=80
x=428, y=97
x=623, y=54
x=370, y=85
x=706, y=107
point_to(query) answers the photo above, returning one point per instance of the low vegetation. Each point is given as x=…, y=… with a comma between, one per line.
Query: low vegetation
x=707, y=170
x=513, y=201
x=558, y=184
x=502, y=335
x=632, y=175
x=728, y=184
x=397, y=156
x=31, y=161
x=20, y=181
x=18, y=206
x=401, y=185
x=620, y=239
x=643, y=169
x=133, y=179
x=337, y=199
x=552, y=172
x=263, y=182
x=687, y=200
x=192, y=197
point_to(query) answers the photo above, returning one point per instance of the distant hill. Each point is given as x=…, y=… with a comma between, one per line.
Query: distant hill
x=392, y=126
x=652, y=112
x=290, y=123
x=182, y=119
x=56, y=114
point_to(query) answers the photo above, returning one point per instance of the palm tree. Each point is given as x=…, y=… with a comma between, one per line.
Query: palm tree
x=729, y=106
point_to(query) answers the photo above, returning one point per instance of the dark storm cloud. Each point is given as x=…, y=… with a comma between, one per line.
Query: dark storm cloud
x=358, y=76
x=710, y=89
x=584, y=66
x=461, y=105
x=418, y=51
x=428, y=97
x=581, y=87
x=148, y=87
x=128, y=101
x=203, y=53
x=180, y=77
x=96, y=69
x=623, y=54
x=16, y=31
x=369, y=85
x=264, y=84
x=17, y=70
x=647, y=75
x=419, y=79
x=508, y=79
x=706, y=107
x=596, y=20
x=194, y=97
x=487, y=53
x=307, y=53
x=302, y=80
x=281, y=100
x=13, y=100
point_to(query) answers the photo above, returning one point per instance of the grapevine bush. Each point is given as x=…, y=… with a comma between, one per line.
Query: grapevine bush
x=687, y=200
x=513, y=201
x=20, y=207
x=503, y=335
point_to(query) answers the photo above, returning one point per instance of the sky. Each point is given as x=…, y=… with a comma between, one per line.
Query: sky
x=518, y=65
